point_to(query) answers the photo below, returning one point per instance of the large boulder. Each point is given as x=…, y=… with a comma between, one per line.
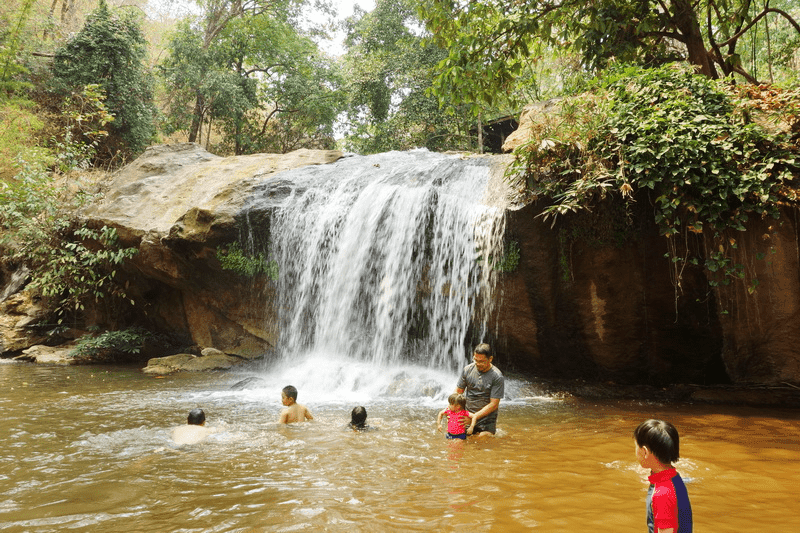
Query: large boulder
x=49, y=355
x=532, y=116
x=19, y=313
x=184, y=362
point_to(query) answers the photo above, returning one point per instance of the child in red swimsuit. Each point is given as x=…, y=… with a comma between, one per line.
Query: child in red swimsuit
x=658, y=446
x=457, y=417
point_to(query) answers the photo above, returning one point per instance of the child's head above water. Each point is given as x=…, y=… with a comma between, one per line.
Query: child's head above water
x=661, y=438
x=457, y=401
x=290, y=393
x=196, y=417
x=358, y=416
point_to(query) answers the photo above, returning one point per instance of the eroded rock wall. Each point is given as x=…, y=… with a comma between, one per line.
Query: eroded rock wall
x=594, y=297
x=759, y=313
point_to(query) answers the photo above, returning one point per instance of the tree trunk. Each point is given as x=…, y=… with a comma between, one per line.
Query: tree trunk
x=685, y=18
x=197, y=119
x=480, y=133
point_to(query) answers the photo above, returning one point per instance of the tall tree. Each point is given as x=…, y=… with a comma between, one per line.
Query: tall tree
x=217, y=15
x=263, y=83
x=389, y=64
x=110, y=51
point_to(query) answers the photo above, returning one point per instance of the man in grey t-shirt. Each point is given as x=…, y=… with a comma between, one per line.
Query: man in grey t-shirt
x=483, y=386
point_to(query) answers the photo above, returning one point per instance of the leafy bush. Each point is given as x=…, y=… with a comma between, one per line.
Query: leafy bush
x=684, y=137
x=83, y=121
x=21, y=130
x=111, y=51
x=70, y=263
x=109, y=344
x=11, y=39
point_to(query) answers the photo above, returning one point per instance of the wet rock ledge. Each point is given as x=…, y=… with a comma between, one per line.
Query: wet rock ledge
x=782, y=395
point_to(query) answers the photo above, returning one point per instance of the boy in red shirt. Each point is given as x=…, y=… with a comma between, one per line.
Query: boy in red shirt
x=668, y=508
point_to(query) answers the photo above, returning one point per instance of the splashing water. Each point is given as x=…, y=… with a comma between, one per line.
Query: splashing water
x=385, y=260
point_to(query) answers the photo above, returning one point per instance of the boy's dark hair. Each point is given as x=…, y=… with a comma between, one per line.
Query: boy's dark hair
x=483, y=349
x=457, y=398
x=196, y=417
x=358, y=416
x=290, y=392
x=661, y=438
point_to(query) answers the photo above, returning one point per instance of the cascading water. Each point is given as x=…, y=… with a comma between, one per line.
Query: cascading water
x=385, y=263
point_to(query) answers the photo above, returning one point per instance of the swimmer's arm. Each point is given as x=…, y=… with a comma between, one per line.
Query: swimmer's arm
x=459, y=390
x=439, y=419
x=307, y=414
x=284, y=417
x=489, y=408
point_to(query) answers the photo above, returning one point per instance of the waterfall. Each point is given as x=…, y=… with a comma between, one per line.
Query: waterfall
x=385, y=277
x=385, y=258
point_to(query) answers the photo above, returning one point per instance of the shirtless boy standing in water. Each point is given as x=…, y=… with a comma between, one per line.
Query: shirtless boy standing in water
x=294, y=411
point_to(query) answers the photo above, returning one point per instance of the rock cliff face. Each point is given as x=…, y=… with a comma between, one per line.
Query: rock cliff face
x=609, y=303
x=593, y=298
x=596, y=300
x=759, y=316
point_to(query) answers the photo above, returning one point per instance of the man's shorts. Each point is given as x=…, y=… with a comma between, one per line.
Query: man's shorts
x=462, y=436
x=490, y=426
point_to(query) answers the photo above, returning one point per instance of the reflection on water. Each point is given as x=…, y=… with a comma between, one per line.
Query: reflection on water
x=87, y=449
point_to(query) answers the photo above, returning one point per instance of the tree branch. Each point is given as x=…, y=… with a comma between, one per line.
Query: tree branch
x=755, y=21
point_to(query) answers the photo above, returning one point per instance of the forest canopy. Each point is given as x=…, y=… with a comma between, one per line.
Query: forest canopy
x=492, y=43
x=244, y=76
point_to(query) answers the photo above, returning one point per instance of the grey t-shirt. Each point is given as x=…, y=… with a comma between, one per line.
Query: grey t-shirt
x=479, y=387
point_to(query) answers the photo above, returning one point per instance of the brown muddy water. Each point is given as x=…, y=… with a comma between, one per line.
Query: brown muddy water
x=89, y=449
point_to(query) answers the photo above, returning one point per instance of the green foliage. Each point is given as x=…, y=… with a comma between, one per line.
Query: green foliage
x=682, y=136
x=247, y=264
x=83, y=120
x=492, y=43
x=510, y=260
x=110, y=51
x=21, y=132
x=110, y=343
x=71, y=264
x=253, y=75
x=389, y=66
x=484, y=58
x=295, y=90
x=11, y=69
x=688, y=144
